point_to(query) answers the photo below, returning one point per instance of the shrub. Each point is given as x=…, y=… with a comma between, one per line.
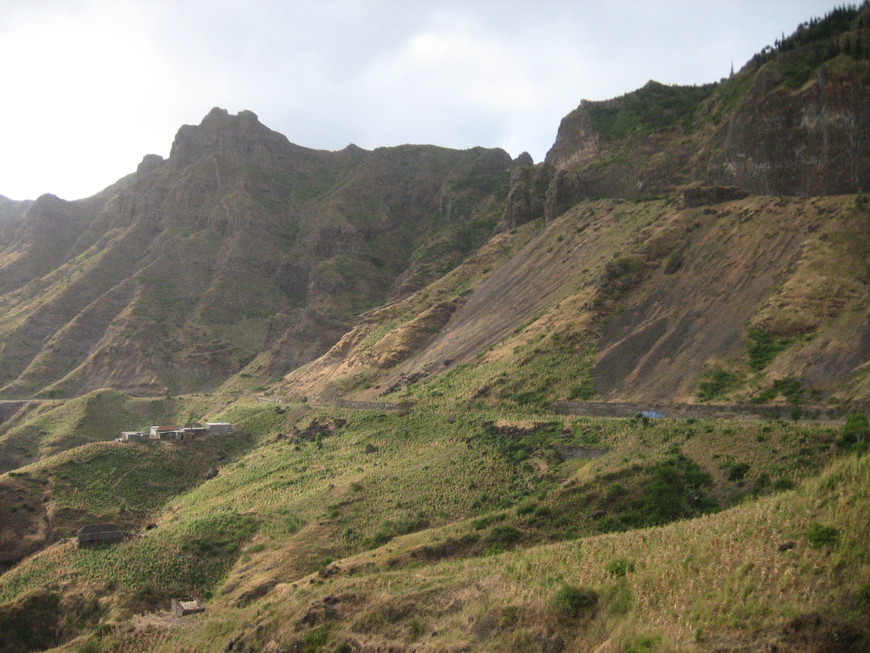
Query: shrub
x=716, y=383
x=583, y=391
x=764, y=396
x=487, y=520
x=575, y=601
x=762, y=347
x=643, y=645
x=856, y=432
x=791, y=389
x=761, y=483
x=378, y=539
x=504, y=534
x=620, y=567
x=313, y=640
x=664, y=496
x=819, y=535
x=738, y=471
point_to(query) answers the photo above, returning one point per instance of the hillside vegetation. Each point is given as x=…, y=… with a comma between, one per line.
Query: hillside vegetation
x=632, y=300
x=348, y=503
x=412, y=343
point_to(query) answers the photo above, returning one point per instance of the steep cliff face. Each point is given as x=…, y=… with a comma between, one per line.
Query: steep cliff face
x=239, y=244
x=794, y=121
x=810, y=140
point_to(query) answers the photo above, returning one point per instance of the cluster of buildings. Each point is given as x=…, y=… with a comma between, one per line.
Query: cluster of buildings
x=190, y=431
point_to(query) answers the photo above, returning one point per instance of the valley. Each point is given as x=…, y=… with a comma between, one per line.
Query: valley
x=612, y=401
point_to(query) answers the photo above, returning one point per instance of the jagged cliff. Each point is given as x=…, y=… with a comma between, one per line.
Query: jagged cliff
x=687, y=270
x=794, y=121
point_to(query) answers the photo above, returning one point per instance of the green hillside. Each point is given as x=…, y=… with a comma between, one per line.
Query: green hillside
x=356, y=495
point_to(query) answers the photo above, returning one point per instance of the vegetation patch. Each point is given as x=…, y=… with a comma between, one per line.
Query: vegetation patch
x=762, y=347
x=675, y=489
x=573, y=601
x=856, y=433
x=820, y=536
x=716, y=383
x=651, y=108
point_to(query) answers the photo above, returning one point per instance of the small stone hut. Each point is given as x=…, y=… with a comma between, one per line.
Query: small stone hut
x=165, y=432
x=95, y=534
x=185, y=606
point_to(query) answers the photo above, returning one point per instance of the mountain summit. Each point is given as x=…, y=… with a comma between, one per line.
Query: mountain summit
x=239, y=244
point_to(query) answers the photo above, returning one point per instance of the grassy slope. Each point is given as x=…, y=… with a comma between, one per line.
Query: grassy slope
x=440, y=481
x=456, y=485
x=97, y=416
x=667, y=600
x=101, y=482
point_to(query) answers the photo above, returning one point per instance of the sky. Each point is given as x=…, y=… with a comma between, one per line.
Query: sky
x=91, y=86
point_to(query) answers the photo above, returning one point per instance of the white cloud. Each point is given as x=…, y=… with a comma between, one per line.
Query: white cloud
x=90, y=95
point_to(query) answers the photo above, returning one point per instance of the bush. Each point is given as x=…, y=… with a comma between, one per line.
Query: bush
x=643, y=645
x=791, y=389
x=583, y=391
x=856, y=432
x=715, y=383
x=483, y=522
x=738, y=471
x=575, y=601
x=504, y=534
x=761, y=483
x=819, y=535
x=620, y=567
x=313, y=640
x=664, y=497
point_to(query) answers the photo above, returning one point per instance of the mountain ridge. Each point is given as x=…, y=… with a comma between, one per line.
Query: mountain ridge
x=208, y=189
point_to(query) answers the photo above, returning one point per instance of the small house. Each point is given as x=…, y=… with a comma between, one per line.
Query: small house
x=185, y=606
x=194, y=430
x=165, y=433
x=95, y=534
x=219, y=428
x=133, y=436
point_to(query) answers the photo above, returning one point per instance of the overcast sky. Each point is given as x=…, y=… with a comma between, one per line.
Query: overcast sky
x=91, y=86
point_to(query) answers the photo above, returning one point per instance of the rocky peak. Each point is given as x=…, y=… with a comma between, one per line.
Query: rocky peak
x=149, y=162
x=11, y=210
x=524, y=159
x=241, y=138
